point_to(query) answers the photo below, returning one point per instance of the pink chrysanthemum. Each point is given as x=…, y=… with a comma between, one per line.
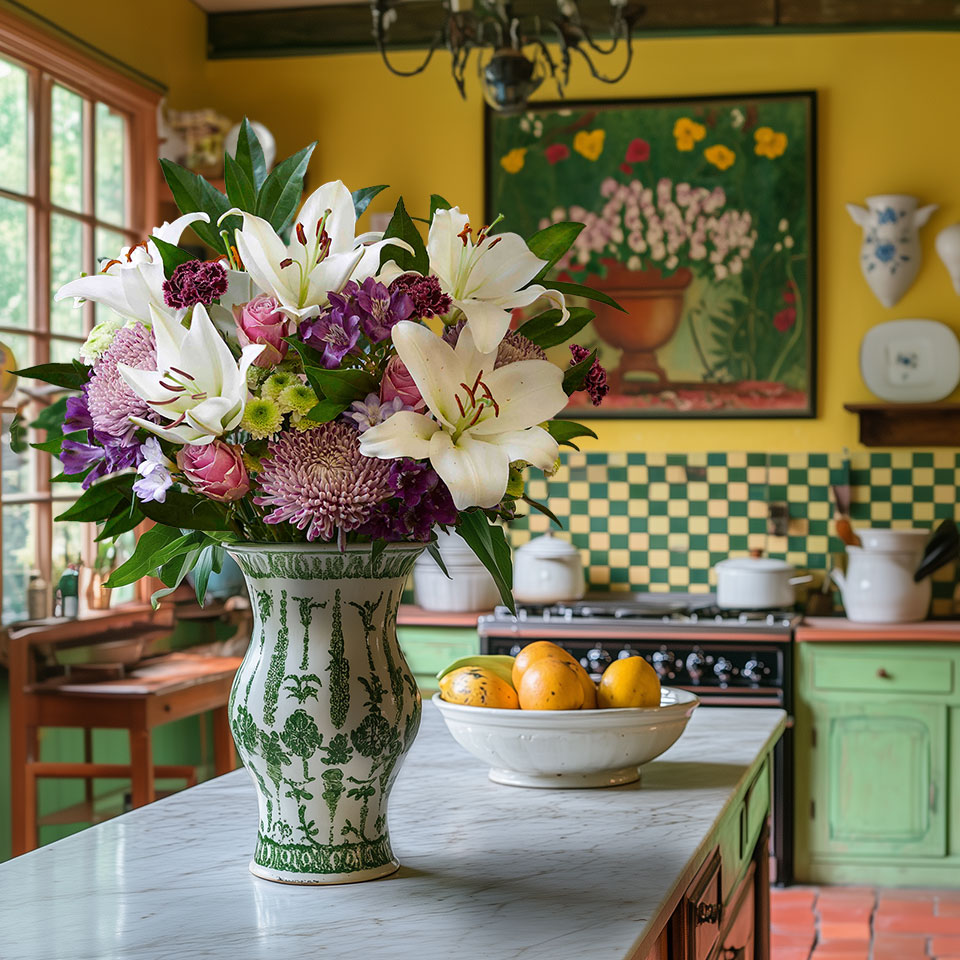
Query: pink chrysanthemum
x=111, y=401
x=515, y=347
x=318, y=480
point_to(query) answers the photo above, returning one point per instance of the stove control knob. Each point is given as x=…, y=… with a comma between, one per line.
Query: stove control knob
x=694, y=665
x=515, y=649
x=723, y=669
x=664, y=662
x=755, y=670
x=627, y=652
x=596, y=660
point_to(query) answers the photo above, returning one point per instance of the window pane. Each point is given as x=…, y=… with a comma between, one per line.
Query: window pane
x=21, y=346
x=17, y=467
x=66, y=264
x=110, y=166
x=19, y=552
x=107, y=245
x=109, y=556
x=14, y=298
x=64, y=351
x=68, y=539
x=66, y=158
x=13, y=127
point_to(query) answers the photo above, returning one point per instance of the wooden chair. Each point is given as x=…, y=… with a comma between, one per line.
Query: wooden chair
x=165, y=689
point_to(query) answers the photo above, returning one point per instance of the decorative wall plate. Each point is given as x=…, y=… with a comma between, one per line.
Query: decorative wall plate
x=910, y=361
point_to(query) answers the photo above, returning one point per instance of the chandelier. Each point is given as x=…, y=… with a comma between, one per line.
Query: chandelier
x=514, y=53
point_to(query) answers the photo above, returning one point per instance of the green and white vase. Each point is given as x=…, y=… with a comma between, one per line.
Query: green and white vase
x=324, y=707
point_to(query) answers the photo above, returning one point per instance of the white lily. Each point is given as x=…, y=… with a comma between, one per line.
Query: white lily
x=484, y=277
x=198, y=385
x=133, y=283
x=482, y=418
x=322, y=255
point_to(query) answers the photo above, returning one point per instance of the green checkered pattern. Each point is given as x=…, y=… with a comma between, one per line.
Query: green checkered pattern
x=659, y=522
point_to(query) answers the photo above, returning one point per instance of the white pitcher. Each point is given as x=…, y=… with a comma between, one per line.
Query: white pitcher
x=890, y=251
x=879, y=587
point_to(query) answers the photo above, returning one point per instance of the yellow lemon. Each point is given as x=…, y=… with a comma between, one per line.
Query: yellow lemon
x=630, y=682
x=538, y=650
x=589, y=691
x=478, y=687
x=551, y=684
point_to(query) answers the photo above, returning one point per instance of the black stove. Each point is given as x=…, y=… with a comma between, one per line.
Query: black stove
x=737, y=658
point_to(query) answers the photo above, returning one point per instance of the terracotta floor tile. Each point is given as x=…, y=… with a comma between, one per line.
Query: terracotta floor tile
x=840, y=930
x=945, y=945
x=947, y=908
x=827, y=952
x=890, y=947
x=792, y=897
x=841, y=912
x=789, y=953
x=792, y=941
x=792, y=919
x=912, y=907
x=932, y=926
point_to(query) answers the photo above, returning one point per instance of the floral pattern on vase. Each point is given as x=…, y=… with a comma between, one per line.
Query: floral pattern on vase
x=324, y=707
x=890, y=250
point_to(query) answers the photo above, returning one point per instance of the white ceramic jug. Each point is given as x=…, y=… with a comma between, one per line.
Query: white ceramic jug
x=879, y=587
x=890, y=251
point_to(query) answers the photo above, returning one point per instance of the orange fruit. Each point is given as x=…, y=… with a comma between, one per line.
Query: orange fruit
x=630, y=682
x=535, y=651
x=551, y=684
x=589, y=690
x=478, y=687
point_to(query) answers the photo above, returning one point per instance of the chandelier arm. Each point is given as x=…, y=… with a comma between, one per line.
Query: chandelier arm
x=560, y=75
x=601, y=77
x=377, y=9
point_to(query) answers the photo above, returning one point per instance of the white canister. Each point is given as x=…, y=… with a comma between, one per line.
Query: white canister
x=469, y=587
x=548, y=569
x=879, y=587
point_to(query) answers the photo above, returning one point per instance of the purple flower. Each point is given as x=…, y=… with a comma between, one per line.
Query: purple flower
x=370, y=411
x=420, y=501
x=154, y=471
x=428, y=298
x=78, y=414
x=380, y=308
x=596, y=381
x=110, y=400
x=334, y=334
x=451, y=332
x=196, y=281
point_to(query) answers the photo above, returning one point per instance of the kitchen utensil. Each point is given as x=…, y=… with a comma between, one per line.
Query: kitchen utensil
x=910, y=361
x=879, y=587
x=892, y=540
x=548, y=569
x=756, y=583
x=469, y=587
x=943, y=547
x=569, y=748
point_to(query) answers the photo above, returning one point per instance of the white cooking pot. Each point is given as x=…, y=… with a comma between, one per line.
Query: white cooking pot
x=879, y=587
x=548, y=569
x=756, y=583
x=469, y=587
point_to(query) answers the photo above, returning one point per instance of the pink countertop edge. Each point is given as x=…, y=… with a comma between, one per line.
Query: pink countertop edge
x=814, y=629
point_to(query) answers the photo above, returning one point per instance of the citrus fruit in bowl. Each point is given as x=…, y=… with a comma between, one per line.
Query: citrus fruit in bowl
x=544, y=747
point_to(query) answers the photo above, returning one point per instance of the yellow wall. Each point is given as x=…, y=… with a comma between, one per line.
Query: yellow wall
x=886, y=126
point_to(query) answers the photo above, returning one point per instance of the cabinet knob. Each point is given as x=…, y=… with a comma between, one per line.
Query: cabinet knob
x=708, y=913
x=883, y=674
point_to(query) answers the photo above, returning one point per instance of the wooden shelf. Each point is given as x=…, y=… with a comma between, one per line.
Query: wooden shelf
x=908, y=424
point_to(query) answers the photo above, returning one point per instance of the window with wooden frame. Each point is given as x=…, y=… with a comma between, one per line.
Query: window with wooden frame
x=78, y=149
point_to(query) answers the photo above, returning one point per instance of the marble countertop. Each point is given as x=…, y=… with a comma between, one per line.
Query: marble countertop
x=488, y=871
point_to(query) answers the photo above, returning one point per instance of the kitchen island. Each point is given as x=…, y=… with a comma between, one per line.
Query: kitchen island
x=489, y=871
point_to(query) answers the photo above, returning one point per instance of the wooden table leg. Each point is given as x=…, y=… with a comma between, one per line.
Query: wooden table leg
x=88, y=758
x=141, y=767
x=224, y=755
x=23, y=752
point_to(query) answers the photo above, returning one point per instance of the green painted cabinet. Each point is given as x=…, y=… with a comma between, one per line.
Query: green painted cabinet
x=874, y=762
x=430, y=649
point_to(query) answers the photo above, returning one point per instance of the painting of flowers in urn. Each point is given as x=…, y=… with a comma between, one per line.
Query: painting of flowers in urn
x=699, y=222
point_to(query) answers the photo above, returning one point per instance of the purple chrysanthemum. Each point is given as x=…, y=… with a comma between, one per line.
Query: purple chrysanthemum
x=319, y=481
x=451, y=332
x=596, y=382
x=334, y=334
x=425, y=293
x=110, y=400
x=196, y=281
x=420, y=501
x=515, y=347
x=103, y=453
x=379, y=308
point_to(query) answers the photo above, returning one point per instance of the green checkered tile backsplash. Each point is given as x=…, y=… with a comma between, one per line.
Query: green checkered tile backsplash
x=660, y=521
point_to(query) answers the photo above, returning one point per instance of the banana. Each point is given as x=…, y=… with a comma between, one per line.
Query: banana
x=499, y=664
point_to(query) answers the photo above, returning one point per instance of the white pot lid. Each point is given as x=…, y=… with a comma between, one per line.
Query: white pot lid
x=755, y=565
x=549, y=547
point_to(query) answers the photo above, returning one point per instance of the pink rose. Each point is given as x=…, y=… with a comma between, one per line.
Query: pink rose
x=215, y=469
x=260, y=321
x=397, y=382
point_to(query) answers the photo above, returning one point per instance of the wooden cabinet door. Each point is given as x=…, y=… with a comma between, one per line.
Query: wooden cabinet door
x=878, y=779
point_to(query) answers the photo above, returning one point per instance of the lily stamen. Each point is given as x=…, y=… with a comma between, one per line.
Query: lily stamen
x=183, y=373
x=301, y=234
x=456, y=397
x=464, y=234
x=471, y=393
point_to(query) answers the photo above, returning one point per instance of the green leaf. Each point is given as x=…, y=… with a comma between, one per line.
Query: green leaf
x=51, y=418
x=438, y=203
x=547, y=330
x=326, y=410
x=552, y=242
x=18, y=434
x=342, y=386
x=71, y=477
x=543, y=508
x=209, y=561
x=403, y=228
x=189, y=511
x=376, y=552
x=280, y=194
x=363, y=196
x=240, y=190
x=121, y=522
x=171, y=255
x=249, y=156
x=490, y=545
x=152, y=544
x=564, y=432
x=53, y=446
x=99, y=502
x=194, y=195
x=70, y=375
x=173, y=573
x=433, y=548
x=575, y=375
x=579, y=290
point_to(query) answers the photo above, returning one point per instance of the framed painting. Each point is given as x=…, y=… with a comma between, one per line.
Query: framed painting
x=700, y=221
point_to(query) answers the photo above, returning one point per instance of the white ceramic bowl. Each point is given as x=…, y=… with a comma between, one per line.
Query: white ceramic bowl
x=569, y=748
x=889, y=540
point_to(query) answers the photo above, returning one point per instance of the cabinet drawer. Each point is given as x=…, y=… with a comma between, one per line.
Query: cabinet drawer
x=894, y=673
x=703, y=912
x=756, y=808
